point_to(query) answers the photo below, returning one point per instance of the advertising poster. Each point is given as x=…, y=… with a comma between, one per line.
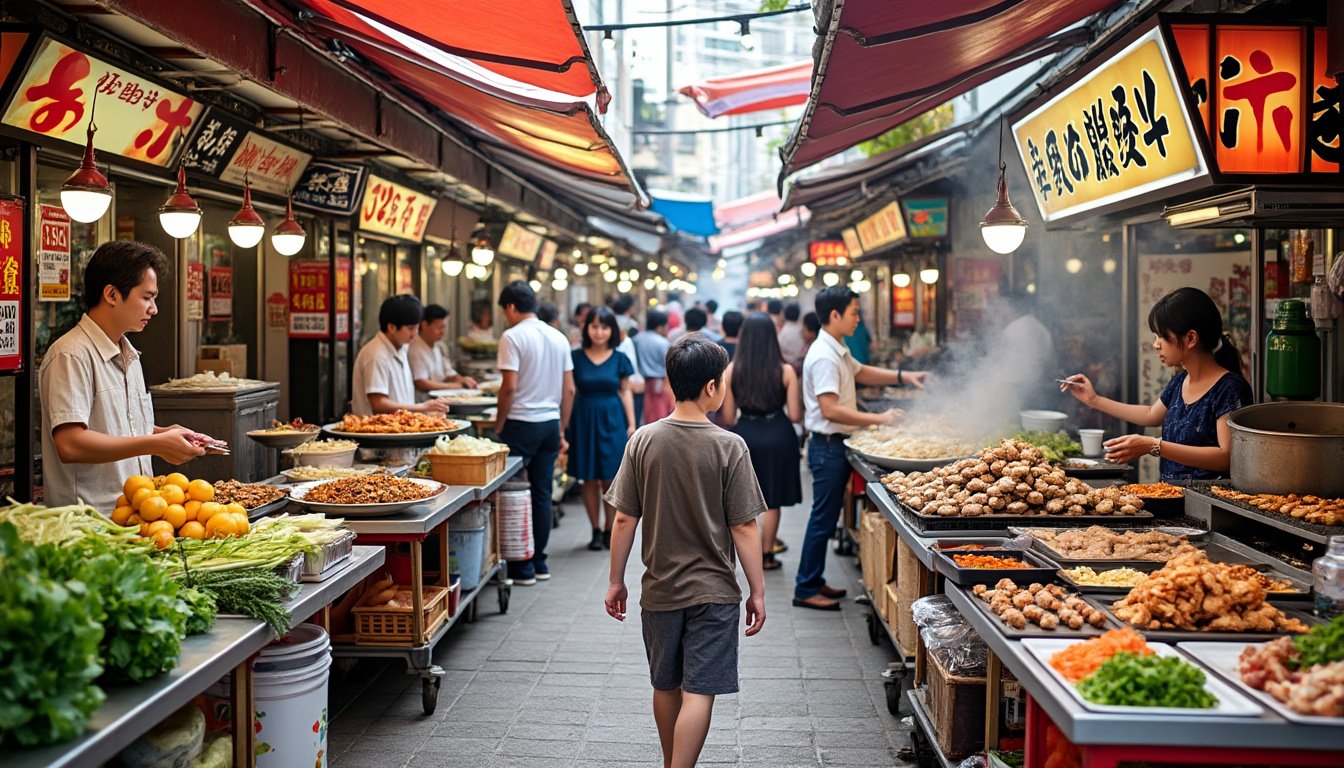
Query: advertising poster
x=11, y=284
x=308, y=288
x=195, y=291
x=53, y=255
x=221, y=293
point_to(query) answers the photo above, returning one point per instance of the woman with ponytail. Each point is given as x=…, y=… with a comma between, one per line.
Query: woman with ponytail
x=1192, y=410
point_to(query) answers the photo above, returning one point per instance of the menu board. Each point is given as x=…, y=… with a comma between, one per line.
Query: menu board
x=53, y=255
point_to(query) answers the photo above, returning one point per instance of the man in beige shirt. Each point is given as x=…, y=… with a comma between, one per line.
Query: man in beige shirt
x=97, y=416
x=430, y=369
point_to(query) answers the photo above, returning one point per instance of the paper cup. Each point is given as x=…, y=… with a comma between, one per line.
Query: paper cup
x=1091, y=440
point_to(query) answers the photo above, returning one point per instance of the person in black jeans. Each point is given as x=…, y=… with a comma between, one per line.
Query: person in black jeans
x=535, y=399
x=831, y=412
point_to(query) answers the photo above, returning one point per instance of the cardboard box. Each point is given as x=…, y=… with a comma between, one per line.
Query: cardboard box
x=870, y=547
x=890, y=611
x=957, y=709
x=223, y=358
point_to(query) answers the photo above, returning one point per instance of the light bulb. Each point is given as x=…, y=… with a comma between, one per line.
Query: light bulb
x=482, y=254
x=783, y=279
x=831, y=279
x=559, y=285
x=453, y=267
x=653, y=266
x=1073, y=266
x=807, y=284
x=928, y=276
x=561, y=273
x=288, y=236
x=609, y=276
x=1003, y=238
x=608, y=41
x=650, y=283
x=1108, y=266
x=536, y=285
x=856, y=275
x=808, y=269
x=624, y=286
x=179, y=215
x=581, y=269
x=747, y=40
x=85, y=206
x=247, y=227
x=901, y=279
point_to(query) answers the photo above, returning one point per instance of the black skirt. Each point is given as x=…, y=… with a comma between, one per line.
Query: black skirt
x=774, y=456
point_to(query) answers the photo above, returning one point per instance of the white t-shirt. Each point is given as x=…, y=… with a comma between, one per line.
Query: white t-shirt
x=381, y=369
x=541, y=355
x=627, y=348
x=427, y=362
x=828, y=369
x=791, y=344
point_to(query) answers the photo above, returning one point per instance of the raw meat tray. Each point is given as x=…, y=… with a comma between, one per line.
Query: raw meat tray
x=1224, y=660
x=1034, y=630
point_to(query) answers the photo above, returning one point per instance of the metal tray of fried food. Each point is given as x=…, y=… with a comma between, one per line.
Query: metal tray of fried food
x=1035, y=630
x=315, y=564
x=1182, y=635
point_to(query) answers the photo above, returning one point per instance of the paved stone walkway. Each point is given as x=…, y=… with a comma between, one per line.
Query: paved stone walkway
x=556, y=682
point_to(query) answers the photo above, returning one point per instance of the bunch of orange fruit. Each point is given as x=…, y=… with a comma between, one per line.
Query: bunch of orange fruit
x=171, y=506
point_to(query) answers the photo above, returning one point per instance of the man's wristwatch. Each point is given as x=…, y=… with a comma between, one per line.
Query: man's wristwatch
x=1156, y=450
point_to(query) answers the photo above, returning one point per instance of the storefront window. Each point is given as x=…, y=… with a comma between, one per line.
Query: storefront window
x=230, y=282
x=373, y=275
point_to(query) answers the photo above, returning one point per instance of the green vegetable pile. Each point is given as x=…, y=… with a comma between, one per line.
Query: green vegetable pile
x=1055, y=446
x=257, y=593
x=1322, y=645
x=1129, y=680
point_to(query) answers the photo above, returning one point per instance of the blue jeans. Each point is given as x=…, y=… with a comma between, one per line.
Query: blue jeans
x=830, y=473
x=538, y=443
x=639, y=409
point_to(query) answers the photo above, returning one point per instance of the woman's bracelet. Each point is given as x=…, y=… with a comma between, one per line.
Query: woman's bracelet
x=900, y=382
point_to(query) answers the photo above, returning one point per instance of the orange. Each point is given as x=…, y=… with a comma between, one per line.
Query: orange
x=122, y=501
x=138, y=497
x=158, y=481
x=152, y=508
x=173, y=494
x=221, y=526
x=208, y=510
x=159, y=525
x=178, y=479
x=243, y=525
x=162, y=539
x=193, y=508
x=136, y=481
x=176, y=515
x=133, y=520
x=121, y=514
x=192, y=530
x=144, y=530
x=200, y=490
x=236, y=508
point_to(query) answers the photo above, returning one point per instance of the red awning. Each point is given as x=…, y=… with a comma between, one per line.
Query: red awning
x=757, y=91
x=884, y=62
x=746, y=210
x=793, y=218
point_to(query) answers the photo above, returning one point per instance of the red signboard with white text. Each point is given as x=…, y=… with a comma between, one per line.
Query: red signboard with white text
x=221, y=293
x=11, y=284
x=136, y=117
x=308, y=288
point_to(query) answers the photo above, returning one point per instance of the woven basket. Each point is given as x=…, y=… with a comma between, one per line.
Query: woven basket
x=381, y=625
x=452, y=469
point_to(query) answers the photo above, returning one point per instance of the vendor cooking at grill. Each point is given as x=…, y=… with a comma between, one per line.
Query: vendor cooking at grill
x=97, y=416
x=1196, y=443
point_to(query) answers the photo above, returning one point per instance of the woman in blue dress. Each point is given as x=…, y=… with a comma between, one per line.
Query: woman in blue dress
x=1196, y=443
x=603, y=418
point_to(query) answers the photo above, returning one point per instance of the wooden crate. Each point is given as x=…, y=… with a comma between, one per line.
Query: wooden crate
x=957, y=708
x=889, y=608
x=384, y=626
x=453, y=469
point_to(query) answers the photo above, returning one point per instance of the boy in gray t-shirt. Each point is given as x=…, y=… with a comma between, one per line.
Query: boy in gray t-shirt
x=692, y=485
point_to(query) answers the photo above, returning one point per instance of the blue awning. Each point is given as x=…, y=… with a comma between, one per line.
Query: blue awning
x=690, y=214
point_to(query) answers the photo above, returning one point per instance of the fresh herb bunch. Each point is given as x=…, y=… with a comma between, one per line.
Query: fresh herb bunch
x=1055, y=446
x=1147, y=681
x=49, y=637
x=201, y=607
x=1322, y=645
x=258, y=593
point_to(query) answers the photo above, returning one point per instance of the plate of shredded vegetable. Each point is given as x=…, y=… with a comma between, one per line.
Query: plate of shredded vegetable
x=1121, y=673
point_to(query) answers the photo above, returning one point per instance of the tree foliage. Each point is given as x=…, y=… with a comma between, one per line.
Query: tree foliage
x=937, y=119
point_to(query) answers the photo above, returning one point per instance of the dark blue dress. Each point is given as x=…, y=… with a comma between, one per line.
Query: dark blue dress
x=1196, y=423
x=597, y=427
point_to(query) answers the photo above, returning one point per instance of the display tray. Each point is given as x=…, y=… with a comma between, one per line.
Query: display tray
x=1205, y=488
x=1087, y=468
x=1216, y=552
x=1302, y=596
x=1224, y=661
x=1230, y=702
x=988, y=542
x=902, y=465
x=1034, y=630
x=1182, y=635
x=268, y=508
x=395, y=439
x=369, y=469
x=363, y=510
x=1039, y=569
x=1102, y=592
x=925, y=523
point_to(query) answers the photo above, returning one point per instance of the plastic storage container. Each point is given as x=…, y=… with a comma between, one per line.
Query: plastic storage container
x=466, y=547
x=1328, y=580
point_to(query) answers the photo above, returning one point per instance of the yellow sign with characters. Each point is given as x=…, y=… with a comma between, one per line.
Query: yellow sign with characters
x=885, y=227
x=1120, y=132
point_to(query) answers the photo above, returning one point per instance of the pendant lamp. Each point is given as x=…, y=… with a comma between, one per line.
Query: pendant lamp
x=86, y=195
x=247, y=227
x=179, y=215
x=1003, y=227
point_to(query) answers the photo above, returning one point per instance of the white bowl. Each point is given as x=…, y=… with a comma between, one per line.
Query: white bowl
x=1043, y=421
x=313, y=459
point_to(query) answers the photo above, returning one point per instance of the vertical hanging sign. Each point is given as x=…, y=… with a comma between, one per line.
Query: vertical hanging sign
x=308, y=288
x=53, y=257
x=343, y=269
x=221, y=293
x=11, y=284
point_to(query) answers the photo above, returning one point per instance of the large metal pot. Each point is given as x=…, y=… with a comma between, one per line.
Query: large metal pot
x=1283, y=448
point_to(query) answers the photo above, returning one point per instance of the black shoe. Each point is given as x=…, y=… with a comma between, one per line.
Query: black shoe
x=598, y=537
x=606, y=539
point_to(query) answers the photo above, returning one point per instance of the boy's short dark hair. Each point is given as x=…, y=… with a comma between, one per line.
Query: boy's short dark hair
x=655, y=319
x=520, y=296
x=581, y=309
x=811, y=322
x=693, y=362
x=792, y=311
x=732, y=323
x=400, y=311
x=711, y=306
x=623, y=304
x=833, y=299
x=434, y=312
x=547, y=312
x=774, y=307
x=121, y=264
x=696, y=319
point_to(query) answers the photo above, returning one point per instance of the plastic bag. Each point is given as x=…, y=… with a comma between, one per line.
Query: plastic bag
x=958, y=649
x=935, y=611
x=974, y=761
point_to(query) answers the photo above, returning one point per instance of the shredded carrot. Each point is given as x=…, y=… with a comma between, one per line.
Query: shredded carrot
x=988, y=561
x=1082, y=659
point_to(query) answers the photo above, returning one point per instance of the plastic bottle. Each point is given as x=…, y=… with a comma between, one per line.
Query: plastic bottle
x=1328, y=580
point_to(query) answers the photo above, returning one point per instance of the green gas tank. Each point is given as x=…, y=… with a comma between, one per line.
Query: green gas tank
x=1293, y=354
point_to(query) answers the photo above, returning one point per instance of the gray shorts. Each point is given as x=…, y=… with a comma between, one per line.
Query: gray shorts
x=694, y=649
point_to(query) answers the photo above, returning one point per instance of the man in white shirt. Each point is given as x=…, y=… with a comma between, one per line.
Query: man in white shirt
x=831, y=413
x=382, y=380
x=535, y=398
x=97, y=416
x=791, y=341
x=430, y=369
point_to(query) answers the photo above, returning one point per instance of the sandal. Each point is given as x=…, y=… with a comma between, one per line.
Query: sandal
x=769, y=563
x=780, y=547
